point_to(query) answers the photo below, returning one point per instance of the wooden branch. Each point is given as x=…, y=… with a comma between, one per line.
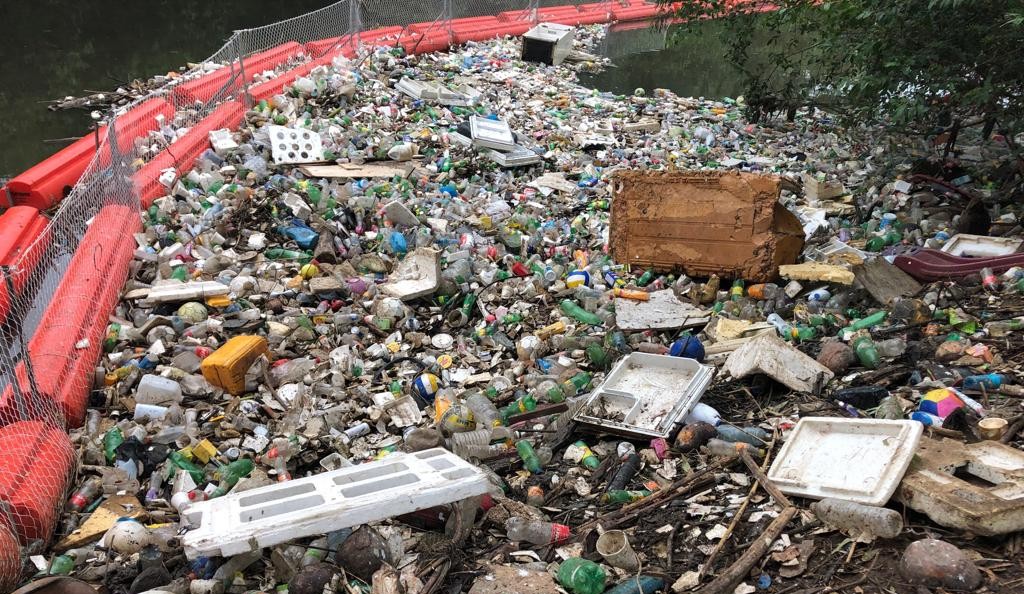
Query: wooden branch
x=766, y=484
x=727, y=580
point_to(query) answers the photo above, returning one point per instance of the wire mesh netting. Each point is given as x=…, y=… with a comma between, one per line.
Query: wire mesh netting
x=57, y=296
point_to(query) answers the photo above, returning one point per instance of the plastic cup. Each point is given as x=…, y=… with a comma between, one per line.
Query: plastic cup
x=616, y=550
x=992, y=427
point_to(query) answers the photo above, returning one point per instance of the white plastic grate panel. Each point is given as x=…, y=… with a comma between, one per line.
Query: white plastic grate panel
x=295, y=145
x=402, y=483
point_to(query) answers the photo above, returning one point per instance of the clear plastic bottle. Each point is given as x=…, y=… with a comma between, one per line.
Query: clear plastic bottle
x=864, y=523
x=535, y=531
x=484, y=412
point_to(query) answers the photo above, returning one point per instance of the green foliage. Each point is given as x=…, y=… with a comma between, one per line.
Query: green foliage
x=916, y=63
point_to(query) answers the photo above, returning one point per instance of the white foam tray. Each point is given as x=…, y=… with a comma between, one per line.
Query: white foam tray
x=860, y=460
x=652, y=393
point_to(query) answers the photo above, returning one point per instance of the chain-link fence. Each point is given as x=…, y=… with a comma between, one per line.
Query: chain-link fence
x=57, y=296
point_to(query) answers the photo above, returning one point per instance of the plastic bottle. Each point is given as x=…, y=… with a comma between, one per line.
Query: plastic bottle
x=754, y=436
x=535, y=531
x=889, y=408
x=62, y=564
x=622, y=496
x=989, y=280
x=990, y=381
x=644, y=584
x=588, y=458
x=865, y=350
x=864, y=522
x=569, y=388
x=632, y=294
x=524, y=404
x=529, y=457
x=284, y=254
x=86, y=494
x=581, y=576
x=178, y=460
x=892, y=347
x=862, y=397
x=864, y=323
x=627, y=470
x=702, y=413
x=571, y=309
x=766, y=291
x=717, y=447
x=484, y=412
x=230, y=475
x=111, y=440
x=1003, y=327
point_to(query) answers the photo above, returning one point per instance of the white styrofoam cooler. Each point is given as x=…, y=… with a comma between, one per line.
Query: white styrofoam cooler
x=263, y=517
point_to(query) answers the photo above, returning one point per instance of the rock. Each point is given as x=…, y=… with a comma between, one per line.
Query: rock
x=694, y=435
x=362, y=554
x=836, y=355
x=937, y=564
x=150, y=578
x=424, y=438
x=322, y=285
x=501, y=579
x=311, y=579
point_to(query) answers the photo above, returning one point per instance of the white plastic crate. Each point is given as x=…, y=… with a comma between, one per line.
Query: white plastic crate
x=399, y=484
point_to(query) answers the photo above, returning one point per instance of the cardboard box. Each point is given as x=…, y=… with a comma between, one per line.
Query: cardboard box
x=726, y=223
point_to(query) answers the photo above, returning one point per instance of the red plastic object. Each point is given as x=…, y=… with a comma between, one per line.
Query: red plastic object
x=35, y=470
x=47, y=182
x=484, y=28
x=183, y=153
x=204, y=88
x=66, y=346
x=318, y=48
x=272, y=87
x=21, y=230
x=10, y=560
x=931, y=265
x=188, y=148
x=432, y=37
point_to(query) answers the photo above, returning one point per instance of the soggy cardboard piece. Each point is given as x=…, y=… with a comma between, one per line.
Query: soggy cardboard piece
x=502, y=579
x=99, y=521
x=664, y=311
x=727, y=223
x=354, y=171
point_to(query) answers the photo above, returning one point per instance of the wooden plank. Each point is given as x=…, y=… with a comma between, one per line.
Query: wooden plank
x=353, y=171
x=885, y=282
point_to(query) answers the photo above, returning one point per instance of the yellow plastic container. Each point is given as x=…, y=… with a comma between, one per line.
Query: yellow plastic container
x=226, y=367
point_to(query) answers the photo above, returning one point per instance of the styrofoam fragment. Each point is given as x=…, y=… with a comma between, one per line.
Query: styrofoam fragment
x=266, y=516
x=290, y=145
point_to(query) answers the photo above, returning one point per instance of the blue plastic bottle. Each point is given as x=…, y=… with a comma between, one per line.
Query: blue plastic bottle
x=991, y=381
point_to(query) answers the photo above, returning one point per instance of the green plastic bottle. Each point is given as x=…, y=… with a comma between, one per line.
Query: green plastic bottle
x=620, y=496
x=111, y=440
x=581, y=576
x=645, y=278
x=61, y=565
x=598, y=356
x=866, y=352
x=524, y=404
x=529, y=457
x=570, y=387
x=284, y=254
x=230, y=475
x=864, y=323
x=180, y=461
x=589, y=459
x=571, y=309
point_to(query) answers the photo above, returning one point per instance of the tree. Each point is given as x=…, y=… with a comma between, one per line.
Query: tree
x=917, y=64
